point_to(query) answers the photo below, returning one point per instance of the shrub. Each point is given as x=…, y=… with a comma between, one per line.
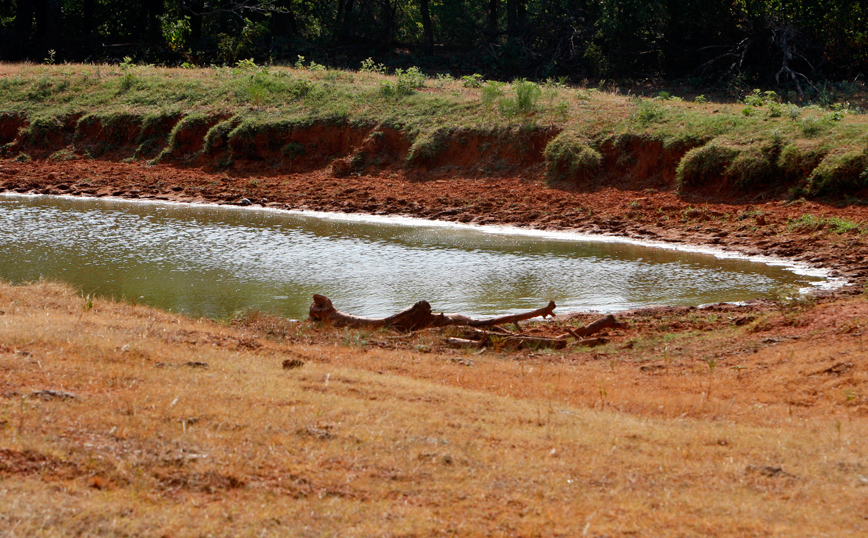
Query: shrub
x=700, y=164
x=472, y=81
x=370, y=66
x=741, y=167
x=570, y=159
x=839, y=174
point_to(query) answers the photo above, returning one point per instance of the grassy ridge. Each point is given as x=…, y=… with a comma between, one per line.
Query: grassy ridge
x=757, y=144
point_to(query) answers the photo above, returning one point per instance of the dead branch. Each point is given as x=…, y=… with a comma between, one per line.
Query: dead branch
x=418, y=316
x=605, y=322
x=508, y=342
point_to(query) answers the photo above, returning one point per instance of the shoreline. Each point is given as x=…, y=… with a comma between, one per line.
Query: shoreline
x=800, y=232
x=799, y=268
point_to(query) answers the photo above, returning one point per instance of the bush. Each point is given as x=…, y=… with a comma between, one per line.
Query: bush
x=839, y=174
x=700, y=164
x=570, y=159
x=743, y=168
x=370, y=66
x=472, y=81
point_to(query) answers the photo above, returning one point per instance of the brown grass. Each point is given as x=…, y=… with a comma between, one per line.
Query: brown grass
x=391, y=442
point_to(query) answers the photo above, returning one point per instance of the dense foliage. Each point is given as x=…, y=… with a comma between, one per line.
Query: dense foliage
x=787, y=42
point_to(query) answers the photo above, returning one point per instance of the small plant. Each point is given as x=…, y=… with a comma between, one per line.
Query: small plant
x=527, y=95
x=793, y=112
x=491, y=92
x=701, y=99
x=370, y=66
x=835, y=115
x=293, y=150
x=412, y=78
x=355, y=339
x=128, y=79
x=759, y=99
x=406, y=84
x=444, y=79
x=648, y=111
x=747, y=111
x=49, y=60
x=472, y=81
x=811, y=127
x=246, y=65
x=88, y=303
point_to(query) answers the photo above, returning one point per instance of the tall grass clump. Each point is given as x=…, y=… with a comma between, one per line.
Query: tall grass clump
x=491, y=92
x=525, y=101
x=571, y=160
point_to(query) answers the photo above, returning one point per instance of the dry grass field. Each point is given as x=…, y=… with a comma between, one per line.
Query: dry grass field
x=161, y=425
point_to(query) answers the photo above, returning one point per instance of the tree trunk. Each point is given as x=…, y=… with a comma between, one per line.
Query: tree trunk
x=493, y=8
x=22, y=30
x=194, y=11
x=512, y=18
x=427, y=28
x=48, y=15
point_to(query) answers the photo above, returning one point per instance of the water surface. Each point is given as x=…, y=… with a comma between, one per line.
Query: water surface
x=216, y=261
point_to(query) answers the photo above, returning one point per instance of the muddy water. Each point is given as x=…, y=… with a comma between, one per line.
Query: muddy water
x=216, y=261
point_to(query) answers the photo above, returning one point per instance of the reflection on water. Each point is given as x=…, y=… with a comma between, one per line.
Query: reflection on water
x=214, y=261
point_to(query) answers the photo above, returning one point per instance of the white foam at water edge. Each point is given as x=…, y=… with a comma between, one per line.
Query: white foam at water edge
x=799, y=268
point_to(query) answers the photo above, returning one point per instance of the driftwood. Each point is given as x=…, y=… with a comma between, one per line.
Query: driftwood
x=605, y=322
x=418, y=316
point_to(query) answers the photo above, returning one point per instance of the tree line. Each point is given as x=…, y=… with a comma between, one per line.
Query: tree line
x=772, y=42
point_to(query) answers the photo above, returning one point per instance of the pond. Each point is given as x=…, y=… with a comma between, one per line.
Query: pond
x=217, y=261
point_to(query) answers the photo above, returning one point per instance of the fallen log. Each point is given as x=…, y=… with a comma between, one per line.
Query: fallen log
x=418, y=316
x=605, y=322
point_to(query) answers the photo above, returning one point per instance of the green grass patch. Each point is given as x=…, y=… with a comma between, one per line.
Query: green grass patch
x=813, y=223
x=815, y=150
